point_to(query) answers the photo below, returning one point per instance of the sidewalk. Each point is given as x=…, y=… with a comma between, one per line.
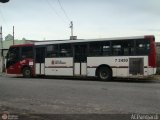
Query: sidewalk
x=2, y=74
x=156, y=77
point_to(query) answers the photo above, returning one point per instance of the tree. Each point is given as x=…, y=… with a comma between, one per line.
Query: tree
x=24, y=38
x=9, y=37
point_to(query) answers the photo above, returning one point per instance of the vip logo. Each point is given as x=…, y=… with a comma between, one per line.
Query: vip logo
x=57, y=62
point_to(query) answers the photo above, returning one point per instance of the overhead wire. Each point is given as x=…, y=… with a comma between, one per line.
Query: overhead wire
x=63, y=10
x=53, y=8
x=65, y=13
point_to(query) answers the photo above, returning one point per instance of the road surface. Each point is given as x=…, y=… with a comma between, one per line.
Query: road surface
x=74, y=96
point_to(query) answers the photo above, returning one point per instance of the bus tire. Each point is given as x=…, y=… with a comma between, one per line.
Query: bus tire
x=104, y=73
x=26, y=72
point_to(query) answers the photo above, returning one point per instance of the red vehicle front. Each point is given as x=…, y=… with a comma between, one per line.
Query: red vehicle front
x=20, y=60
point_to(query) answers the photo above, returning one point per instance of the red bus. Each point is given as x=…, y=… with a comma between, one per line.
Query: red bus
x=102, y=58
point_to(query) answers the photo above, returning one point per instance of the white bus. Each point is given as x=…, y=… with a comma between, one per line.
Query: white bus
x=102, y=58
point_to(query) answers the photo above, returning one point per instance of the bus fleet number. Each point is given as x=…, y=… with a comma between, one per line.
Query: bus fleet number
x=121, y=60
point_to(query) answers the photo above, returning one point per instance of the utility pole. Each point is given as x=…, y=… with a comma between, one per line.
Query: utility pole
x=1, y=40
x=13, y=35
x=72, y=37
x=71, y=26
x=1, y=57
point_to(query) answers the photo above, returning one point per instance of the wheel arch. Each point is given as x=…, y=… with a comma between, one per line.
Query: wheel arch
x=103, y=65
x=25, y=66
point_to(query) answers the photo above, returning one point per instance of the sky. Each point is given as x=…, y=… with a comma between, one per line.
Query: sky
x=50, y=19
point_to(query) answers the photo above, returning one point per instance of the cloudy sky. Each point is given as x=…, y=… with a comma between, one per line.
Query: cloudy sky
x=50, y=19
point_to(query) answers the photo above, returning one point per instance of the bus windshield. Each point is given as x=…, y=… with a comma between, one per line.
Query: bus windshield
x=13, y=54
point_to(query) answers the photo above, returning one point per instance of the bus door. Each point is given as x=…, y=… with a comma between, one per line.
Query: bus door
x=80, y=60
x=40, y=59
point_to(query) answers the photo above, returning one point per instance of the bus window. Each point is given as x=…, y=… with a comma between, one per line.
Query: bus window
x=106, y=48
x=142, y=47
x=117, y=47
x=65, y=50
x=123, y=47
x=128, y=47
x=27, y=52
x=95, y=49
x=52, y=51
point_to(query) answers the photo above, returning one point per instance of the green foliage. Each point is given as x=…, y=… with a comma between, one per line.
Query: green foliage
x=24, y=38
x=9, y=37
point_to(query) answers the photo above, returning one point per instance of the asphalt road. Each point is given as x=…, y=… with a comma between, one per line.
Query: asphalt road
x=73, y=96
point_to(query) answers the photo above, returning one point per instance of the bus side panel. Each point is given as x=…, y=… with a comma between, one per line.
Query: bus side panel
x=91, y=71
x=83, y=69
x=14, y=68
x=39, y=68
x=42, y=68
x=121, y=72
x=59, y=71
x=119, y=65
x=151, y=71
x=59, y=66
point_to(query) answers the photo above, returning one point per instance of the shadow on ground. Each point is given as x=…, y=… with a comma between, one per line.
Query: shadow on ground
x=127, y=80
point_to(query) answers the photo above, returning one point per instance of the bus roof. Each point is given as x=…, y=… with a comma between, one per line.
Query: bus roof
x=88, y=40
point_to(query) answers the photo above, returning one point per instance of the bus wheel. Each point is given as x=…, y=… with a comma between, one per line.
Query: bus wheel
x=26, y=72
x=104, y=73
